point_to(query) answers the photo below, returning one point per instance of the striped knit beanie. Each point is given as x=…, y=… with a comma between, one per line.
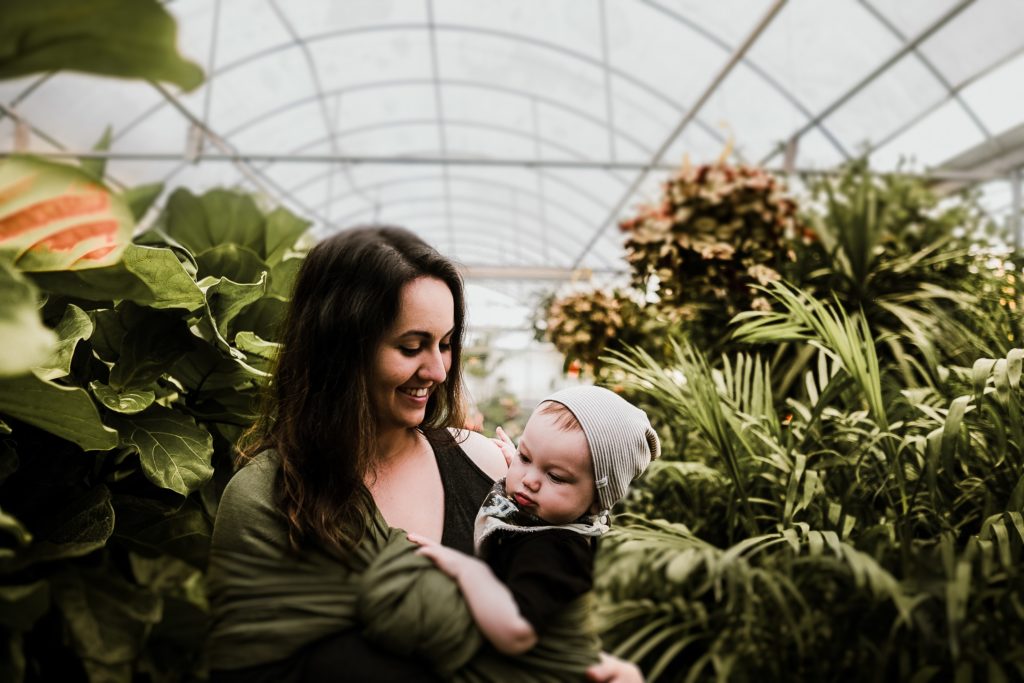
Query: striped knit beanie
x=621, y=439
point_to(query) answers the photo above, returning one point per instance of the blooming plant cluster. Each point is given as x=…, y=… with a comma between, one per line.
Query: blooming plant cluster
x=582, y=325
x=718, y=231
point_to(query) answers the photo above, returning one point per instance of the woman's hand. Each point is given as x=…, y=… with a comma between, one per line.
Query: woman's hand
x=450, y=561
x=614, y=670
x=504, y=444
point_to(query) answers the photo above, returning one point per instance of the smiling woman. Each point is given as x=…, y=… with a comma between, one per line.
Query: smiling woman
x=311, y=575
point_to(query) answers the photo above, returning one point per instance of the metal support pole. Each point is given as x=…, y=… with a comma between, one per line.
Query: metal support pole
x=1016, y=224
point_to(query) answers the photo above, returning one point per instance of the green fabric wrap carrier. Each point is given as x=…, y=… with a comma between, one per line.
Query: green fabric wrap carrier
x=266, y=603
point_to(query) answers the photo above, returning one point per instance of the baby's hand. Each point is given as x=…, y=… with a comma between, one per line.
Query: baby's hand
x=508, y=449
x=451, y=562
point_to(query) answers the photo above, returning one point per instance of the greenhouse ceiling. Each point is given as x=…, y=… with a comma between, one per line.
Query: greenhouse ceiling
x=514, y=134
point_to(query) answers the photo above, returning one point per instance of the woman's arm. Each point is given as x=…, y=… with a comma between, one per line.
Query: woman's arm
x=490, y=602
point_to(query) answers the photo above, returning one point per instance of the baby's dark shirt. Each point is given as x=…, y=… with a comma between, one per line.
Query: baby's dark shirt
x=545, y=570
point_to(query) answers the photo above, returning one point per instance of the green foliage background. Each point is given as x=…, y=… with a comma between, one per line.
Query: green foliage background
x=843, y=486
x=842, y=489
x=110, y=447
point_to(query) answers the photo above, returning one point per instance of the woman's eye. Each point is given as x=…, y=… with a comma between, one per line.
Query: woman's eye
x=445, y=347
x=409, y=351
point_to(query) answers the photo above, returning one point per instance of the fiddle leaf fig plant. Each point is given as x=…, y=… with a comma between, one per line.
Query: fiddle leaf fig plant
x=119, y=430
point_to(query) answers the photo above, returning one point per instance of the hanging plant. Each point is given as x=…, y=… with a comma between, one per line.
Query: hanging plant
x=583, y=325
x=718, y=232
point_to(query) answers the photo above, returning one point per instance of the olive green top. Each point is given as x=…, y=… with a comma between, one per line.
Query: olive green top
x=266, y=602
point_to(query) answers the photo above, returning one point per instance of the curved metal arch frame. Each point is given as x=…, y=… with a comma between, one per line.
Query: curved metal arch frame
x=774, y=84
x=908, y=47
x=352, y=217
x=513, y=190
x=460, y=178
x=457, y=83
x=558, y=205
x=423, y=224
x=629, y=78
x=417, y=122
x=184, y=164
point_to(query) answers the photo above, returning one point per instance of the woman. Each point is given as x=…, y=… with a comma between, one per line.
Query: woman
x=366, y=388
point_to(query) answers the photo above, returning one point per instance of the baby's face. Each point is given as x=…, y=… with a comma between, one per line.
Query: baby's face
x=551, y=475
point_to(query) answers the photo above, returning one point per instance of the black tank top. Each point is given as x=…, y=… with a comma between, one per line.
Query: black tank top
x=465, y=487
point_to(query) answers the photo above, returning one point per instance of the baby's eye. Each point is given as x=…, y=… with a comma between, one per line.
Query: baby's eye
x=557, y=479
x=522, y=457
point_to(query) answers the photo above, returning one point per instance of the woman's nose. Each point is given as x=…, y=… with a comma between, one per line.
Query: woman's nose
x=433, y=368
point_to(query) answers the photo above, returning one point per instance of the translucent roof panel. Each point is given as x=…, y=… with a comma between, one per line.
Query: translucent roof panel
x=516, y=134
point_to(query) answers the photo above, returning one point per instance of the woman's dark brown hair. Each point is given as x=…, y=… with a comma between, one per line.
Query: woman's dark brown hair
x=319, y=417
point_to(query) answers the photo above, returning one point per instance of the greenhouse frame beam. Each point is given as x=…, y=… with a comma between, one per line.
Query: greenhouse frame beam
x=262, y=117
x=952, y=91
x=550, y=273
x=404, y=180
x=442, y=131
x=1016, y=223
x=596, y=164
x=630, y=78
x=907, y=48
x=774, y=83
x=256, y=177
x=690, y=115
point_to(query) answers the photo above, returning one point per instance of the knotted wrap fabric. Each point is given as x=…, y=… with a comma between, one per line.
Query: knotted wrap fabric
x=266, y=603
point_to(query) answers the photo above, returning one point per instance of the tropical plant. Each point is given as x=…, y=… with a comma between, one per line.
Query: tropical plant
x=110, y=445
x=912, y=263
x=867, y=529
x=126, y=38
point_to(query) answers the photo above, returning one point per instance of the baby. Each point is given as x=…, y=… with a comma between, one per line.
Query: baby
x=535, y=532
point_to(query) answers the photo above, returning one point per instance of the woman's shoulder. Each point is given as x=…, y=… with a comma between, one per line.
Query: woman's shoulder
x=251, y=488
x=481, y=451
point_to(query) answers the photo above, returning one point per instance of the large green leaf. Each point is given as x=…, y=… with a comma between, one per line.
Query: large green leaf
x=125, y=38
x=22, y=605
x=283, y=229
x=226, y=299
x=12, y=526
x=236, y=263
x=283, y=276
x=153, y=341
x=68, y=412
x=108, y=619
x=218, y=217
x=129, y=402
x=149, y=276
x=25, y=341
x=56, y=217
x=72, y=328
x=264, y=317
x=175, y=452
x=8, y=461
x=76, y=526
x=154, y=529
x=259, y=353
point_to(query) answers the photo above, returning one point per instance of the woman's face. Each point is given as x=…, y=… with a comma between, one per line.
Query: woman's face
x=414, y=356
